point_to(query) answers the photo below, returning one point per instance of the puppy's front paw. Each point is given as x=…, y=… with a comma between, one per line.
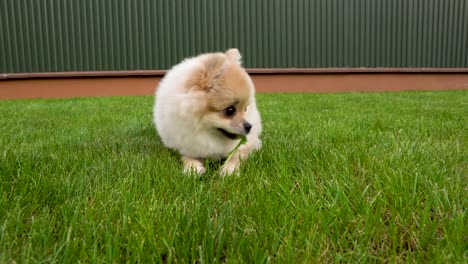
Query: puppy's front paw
x=229, y=169
x=197, y=169
x=193, y=166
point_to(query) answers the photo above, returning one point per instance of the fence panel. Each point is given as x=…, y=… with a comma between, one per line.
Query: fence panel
x=106, y=35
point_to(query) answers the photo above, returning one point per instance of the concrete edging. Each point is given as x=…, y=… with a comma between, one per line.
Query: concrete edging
x=64, y=85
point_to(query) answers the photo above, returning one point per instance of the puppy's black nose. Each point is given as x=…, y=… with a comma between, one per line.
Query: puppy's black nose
x=247, y=127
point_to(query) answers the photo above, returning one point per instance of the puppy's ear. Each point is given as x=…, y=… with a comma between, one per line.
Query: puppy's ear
x=234, y=55
x=206, y=76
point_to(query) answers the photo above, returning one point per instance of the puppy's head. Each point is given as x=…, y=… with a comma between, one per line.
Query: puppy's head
x=225, y=90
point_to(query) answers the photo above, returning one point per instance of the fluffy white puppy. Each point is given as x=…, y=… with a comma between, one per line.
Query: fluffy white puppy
x=203, y=105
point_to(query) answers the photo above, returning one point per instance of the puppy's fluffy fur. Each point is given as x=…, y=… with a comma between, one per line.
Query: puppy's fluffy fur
x=202, y=107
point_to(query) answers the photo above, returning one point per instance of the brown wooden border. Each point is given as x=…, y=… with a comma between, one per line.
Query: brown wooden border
x=264, y=83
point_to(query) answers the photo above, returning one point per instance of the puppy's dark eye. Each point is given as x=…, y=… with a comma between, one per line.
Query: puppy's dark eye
x=230, y=111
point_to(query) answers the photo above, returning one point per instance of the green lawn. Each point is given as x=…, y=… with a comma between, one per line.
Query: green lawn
x=353, y=177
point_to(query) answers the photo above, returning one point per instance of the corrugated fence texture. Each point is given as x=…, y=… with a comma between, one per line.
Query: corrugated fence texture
x=95, y=35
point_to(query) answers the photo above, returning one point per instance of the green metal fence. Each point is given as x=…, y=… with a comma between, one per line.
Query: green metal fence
x=102, y=35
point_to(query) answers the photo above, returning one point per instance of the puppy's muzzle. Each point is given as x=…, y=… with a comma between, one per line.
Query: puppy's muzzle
x=246, y=127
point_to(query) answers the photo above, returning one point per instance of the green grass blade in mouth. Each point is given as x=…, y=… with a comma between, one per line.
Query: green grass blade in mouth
x=243, y=140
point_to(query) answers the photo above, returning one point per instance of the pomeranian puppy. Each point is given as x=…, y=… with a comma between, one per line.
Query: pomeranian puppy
x=203, y=106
